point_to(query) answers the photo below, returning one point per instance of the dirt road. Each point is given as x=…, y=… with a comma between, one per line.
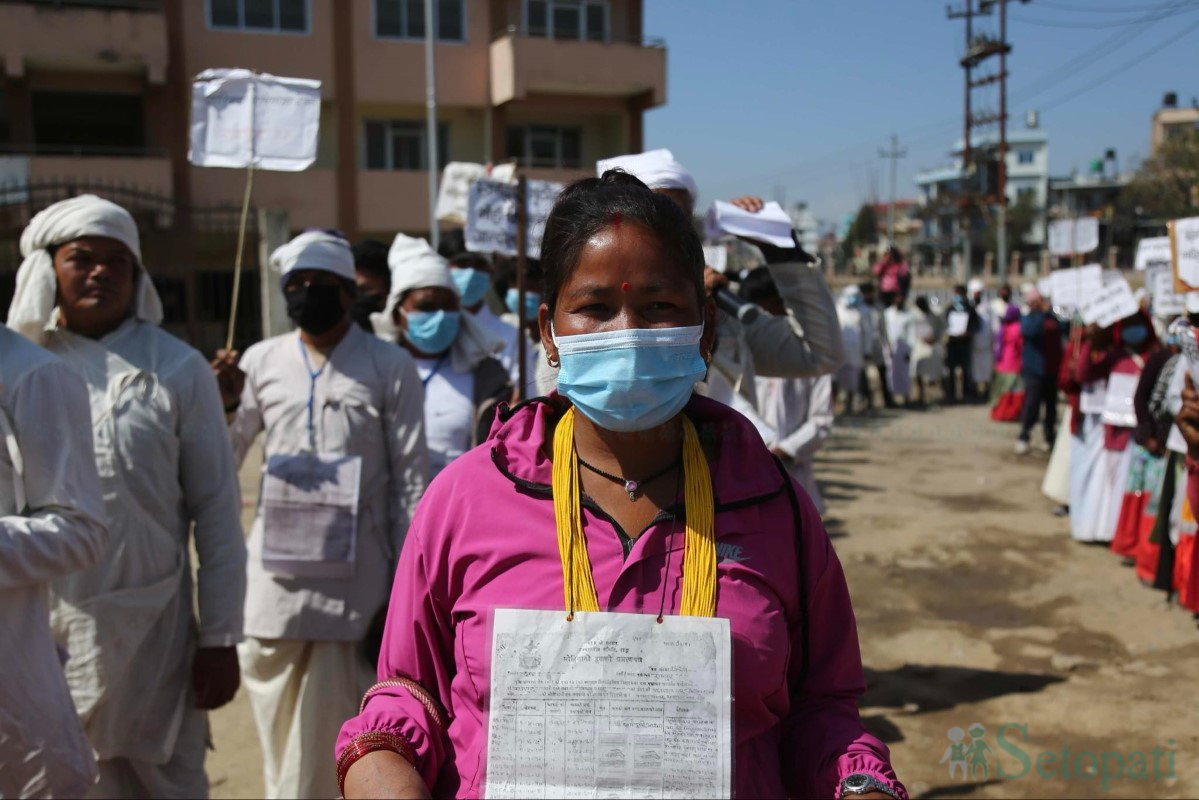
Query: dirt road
x=973, y=606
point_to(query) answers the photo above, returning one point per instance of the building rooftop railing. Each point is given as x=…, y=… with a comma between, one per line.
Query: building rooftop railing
x=80, y=150
x=525, y=31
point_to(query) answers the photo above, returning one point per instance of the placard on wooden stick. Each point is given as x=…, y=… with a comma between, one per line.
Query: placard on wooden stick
x=1184, y=254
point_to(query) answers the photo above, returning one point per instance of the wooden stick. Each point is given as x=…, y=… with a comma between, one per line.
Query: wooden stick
x=241, y=241
x=522, y=238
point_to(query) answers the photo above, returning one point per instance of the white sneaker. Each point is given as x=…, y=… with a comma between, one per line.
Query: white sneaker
x=1044, y=447
x=1021, y=447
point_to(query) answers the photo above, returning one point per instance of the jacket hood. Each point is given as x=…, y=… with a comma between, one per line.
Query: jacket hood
x=743, y=469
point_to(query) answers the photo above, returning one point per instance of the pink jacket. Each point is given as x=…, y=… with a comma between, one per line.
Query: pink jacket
x=1011, y=348
x=484, y=537
x=890, y=273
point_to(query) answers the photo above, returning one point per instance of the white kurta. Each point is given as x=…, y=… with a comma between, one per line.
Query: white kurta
x=165, y=467
x=51, y=524
x=449, y=411
x=982, y=352
x=901, y=325
x=509, y=357
x=1088, y=481
x=801, y=410
x=368, y=403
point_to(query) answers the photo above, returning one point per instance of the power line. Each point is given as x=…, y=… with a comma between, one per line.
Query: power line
x=1119, y=23
x=1099, y=9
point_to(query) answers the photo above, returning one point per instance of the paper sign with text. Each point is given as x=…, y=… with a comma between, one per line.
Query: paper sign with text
x=1153, y=252
x=1070, y=236
x=1166, y=301
x=453, y=195
x=1184, y=250
x=1072, y=287
x=1109, y=305
x=491, y=216
x=241, y=118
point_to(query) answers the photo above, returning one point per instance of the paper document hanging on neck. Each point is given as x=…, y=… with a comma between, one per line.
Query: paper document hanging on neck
x=491, y=216
x=770, y=225
x=242, y=119
x=1184, y=252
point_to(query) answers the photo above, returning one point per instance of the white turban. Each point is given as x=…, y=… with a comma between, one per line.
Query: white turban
x=657, y=169
x=32, y=312
x=416, y=265
x=315, y=250
x=975, y=286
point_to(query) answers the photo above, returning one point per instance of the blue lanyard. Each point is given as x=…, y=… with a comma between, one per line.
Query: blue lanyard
x=425, y=380
x=312, y=376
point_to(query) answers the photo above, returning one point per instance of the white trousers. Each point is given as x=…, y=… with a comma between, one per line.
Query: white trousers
x=183, y=776
x=301, y=693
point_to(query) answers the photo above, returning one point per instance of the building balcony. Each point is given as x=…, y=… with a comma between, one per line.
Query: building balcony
x=521, y=65
x=94, y=168
x=122, y=36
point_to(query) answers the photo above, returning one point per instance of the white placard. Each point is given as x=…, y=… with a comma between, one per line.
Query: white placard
x=491, y=216
x=1093, y=397
x=716, y=256
x=1166, y=302
x=609, y=705
x=453, y=194
x=241, y=118
x=957, y=323
x=1118, y=407
x=1070, y=236
x=1153, y=252
x=1109, y=305
x=771, y=225
x=1070, y=288
x=1186, y=250
x=1045, y=286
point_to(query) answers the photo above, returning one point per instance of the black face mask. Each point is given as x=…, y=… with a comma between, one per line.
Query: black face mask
x=365, y=305
x=315, y=308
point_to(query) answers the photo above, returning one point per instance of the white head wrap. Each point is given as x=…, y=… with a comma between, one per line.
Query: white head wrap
x=315, y=250
x=975, y=286
x=416, y=265
x=657, y=169
x=32, y=312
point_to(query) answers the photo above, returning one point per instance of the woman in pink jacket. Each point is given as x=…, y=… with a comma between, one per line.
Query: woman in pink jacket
x=627, y=454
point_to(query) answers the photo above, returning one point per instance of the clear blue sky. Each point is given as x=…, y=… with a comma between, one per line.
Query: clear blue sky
x=802, y=95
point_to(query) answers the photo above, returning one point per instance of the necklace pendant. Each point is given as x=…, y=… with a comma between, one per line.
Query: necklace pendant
x=631, y=487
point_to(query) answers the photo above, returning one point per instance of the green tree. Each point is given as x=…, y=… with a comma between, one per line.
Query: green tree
x=1020, y=218
x=864, y=230
x=1167, y=184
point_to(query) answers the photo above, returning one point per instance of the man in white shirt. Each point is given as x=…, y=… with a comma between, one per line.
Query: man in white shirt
x=344, y=466
x=143, y=670
x=51, y=524
x=473, y=275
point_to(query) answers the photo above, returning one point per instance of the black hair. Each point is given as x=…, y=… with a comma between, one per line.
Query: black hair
x=467, y=259
x=895, y=254
x=866, y=288
x=758, y=287
x=959, y=288
x=505, y=273
x=922, y=304
x=586, y=207
x=370, y=256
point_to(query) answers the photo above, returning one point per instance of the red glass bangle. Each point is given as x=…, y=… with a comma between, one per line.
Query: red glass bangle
x=370, y=742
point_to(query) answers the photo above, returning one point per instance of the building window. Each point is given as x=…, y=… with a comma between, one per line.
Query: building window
x=278, y=16
x=549, y=146
x=395, y=144
x=1026, y=156
x=405, y=19
x=567, y=19
x=88, y=121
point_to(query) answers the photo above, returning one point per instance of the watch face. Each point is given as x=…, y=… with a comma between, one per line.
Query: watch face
x=856, y=782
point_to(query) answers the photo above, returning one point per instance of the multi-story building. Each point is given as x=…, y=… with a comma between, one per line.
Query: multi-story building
x=945, y=188
x=98, y=92
x=1170, y=119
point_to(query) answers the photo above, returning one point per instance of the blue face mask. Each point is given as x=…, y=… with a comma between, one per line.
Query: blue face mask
x=432, y=332
x=472, y=284
x=532, y=303
x=631, y=380
x=1134, y=336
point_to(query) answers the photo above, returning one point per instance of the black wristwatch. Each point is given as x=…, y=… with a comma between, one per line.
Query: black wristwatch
x=861, y=783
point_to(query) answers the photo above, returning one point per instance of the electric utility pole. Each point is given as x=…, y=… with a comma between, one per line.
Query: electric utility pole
x=894, y=154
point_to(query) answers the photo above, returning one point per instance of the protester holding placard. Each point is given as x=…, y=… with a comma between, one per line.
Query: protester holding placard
x=764, y=344
x=456, y=355
x=542, y=377
x=1041, y=358
x=961, y=325
x=51, y=524
x=143, y=671
x=630, y=455
x=985, y=345
x=344, y=464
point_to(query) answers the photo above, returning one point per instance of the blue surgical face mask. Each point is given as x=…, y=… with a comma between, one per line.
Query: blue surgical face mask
x=630, y=380
x=472, y=284
x=432, y=332
x=532, y=303
x=1134, y=335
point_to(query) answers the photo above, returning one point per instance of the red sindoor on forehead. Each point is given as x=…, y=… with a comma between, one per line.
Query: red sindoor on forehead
x=617, y=219
x=626, y=286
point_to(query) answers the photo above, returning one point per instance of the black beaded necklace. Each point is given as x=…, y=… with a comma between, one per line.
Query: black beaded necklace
x=631, y=486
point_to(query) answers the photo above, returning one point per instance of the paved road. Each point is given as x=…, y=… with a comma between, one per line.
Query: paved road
x=973, y=606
